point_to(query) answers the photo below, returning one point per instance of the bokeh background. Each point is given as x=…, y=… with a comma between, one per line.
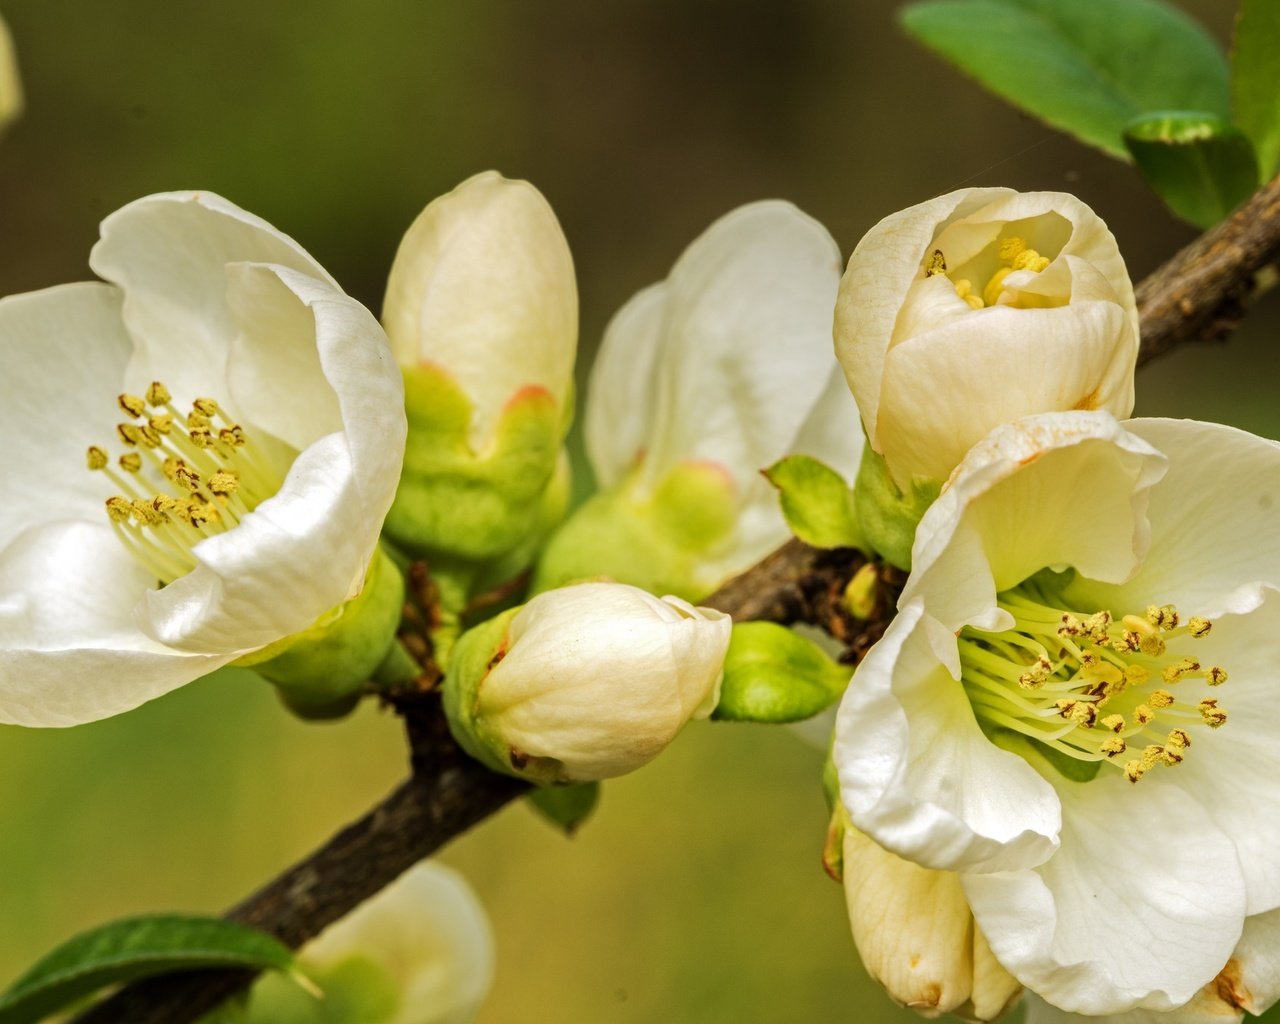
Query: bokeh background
x=696, y=894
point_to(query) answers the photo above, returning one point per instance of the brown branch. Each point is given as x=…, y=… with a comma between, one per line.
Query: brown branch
x=1199, y=294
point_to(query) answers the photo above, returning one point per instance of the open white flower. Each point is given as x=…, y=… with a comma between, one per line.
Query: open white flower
x=585, y=682
x=702, y=381
x=244, y=426
x=419, y=952
x=1050, y=714
x=975, y=309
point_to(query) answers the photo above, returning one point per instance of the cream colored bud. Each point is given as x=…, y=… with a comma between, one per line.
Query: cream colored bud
x=584, y=682
x=1056, y=328
x=917, y=937
x=10, y=83
x=483, y=287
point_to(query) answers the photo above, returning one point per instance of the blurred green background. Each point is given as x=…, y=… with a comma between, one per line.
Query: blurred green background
x=696, y=894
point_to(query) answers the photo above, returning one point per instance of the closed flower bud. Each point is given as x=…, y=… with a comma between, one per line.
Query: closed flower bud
x=975, y=309
x=482, y=312
x=585, y=682
x=916, y=936
x=10, y=83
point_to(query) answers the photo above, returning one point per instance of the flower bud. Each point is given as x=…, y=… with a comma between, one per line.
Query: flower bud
x=482, y=313
x=585, y=682
x=10, y=83
x=917, y=937
x=419, y=952
x=978, y=308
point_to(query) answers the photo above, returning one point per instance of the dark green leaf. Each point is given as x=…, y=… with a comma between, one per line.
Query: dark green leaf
x=1085, y=66
x=135, y=948
x=1253, y=79
x=566, y=806
x=774, y=675
x=816, y=501
x=1200, y=165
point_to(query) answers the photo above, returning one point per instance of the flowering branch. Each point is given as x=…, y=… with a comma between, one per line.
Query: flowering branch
x=1197, y=295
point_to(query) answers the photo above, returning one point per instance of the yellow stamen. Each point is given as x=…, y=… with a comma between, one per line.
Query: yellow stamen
x=132, y=405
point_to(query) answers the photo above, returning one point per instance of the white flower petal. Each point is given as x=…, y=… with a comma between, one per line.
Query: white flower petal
x=1054, y=490
x=1253, y=972
x=621, y=395
x=429, y=931
x=875, y=284
x=1139, y=908
x=746, y=341
x=168, y=253
x=918, y=775
x=929, y=428
x=483, y=285
x=71, y=651
x=304, y=551
x=1206, y=1007
x=1223, y=485
x=60, y=346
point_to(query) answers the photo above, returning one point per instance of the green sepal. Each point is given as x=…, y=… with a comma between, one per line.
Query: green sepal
x=888, y=516
x=133, y=948
x=816, y=501
x=321, y=673
x=458, y=504
x=661, y=543
x=566, y=807
x=1085, y=66
x=772, y=674
x=1253, y=80
x=1200, y=165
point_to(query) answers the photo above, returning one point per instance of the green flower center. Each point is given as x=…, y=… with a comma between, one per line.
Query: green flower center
x=182, y=478
x=1091, y=687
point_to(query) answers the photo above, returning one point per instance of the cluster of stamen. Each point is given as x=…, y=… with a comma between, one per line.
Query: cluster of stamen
x=1090, y=686
x=182, y=478
x=1014, y=255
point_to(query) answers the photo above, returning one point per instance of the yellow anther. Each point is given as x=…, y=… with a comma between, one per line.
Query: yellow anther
x=1037, y=675
x=1162, y=617
x=1171, y=756
x=128, y=433
x=164, y=503
x=936, y=264
x=119, y=509
x=202, y=438
x=1143, y=714
x=1107, y=673
x=1096, y=626
x=223, y=483
x=187, y=477
x=233, y=435
x=1199, y=627
x=1213, y=715
x=1182, y=667
x=1082, y=712
x=1113, y=746
x=1114, y=722
x=1128, y=641
x=161, y=424
x=1152, y=755
x=1133, y=770
x=1179, y=738
x=96, y=458
x=198, y=421
x=1071, y=626
x=1030, y=260
x=149, y=436
x=132, y=405
x=205, y=406
x=991, y=293
x=158, y=394
x=1012, y=248
x=964, y=289
x=1160, y=699
x=1216, y=675
x=170, y=468
x=199, y=514
x=145, y=514
x=1152, y=645
x=131, y=462
x=1135, y=675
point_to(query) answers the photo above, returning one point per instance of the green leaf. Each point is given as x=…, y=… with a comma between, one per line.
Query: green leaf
x=566, y=807
x=135, y=948
x=774, y=675
x=1085, y=66
x=1200, y=165
x=1253, y=79
x=816, y=501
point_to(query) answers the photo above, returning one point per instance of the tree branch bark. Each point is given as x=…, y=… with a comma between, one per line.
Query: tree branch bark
x=1197, y=295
